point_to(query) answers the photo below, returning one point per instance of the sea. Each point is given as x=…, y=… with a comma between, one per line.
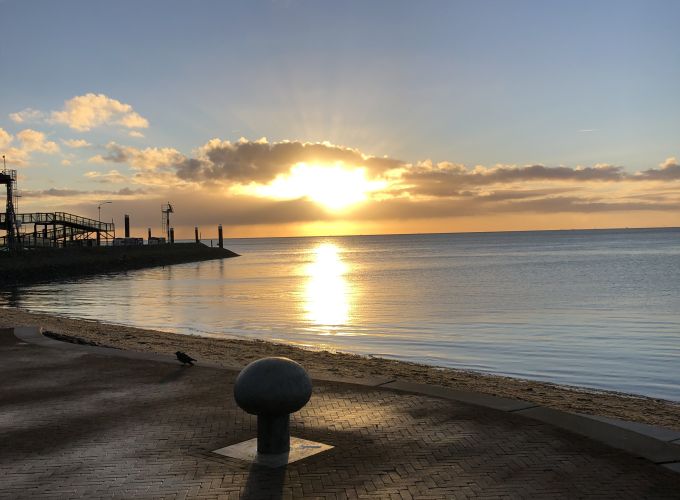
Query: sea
x=593, y=308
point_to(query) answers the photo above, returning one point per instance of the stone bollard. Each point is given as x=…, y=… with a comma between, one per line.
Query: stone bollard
x=272, y=389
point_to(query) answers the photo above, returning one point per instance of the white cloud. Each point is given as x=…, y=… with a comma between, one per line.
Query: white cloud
x=13, y=156
x=93, y=110
x=110, y=177
x=140, y=159
x=27, y=115
x=32, y=140
x=153, y=166
x=65, y=162
x=76, y=143
x=670, y=162
x=5, y=138
x=96, y=159
x=135, y=133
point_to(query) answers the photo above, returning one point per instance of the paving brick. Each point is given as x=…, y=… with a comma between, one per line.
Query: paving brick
x=89, y=426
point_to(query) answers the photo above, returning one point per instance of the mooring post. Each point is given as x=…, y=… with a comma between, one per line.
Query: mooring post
x=219, y=236
x=272, y=389
x=149, y=239
x=127, y=226
x=196, y=234
x=172, y=235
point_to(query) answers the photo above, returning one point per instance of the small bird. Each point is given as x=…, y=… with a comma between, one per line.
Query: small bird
x=184, y=358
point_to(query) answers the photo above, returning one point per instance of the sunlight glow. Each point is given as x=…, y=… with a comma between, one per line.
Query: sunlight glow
x=334, y=186
x=326, y=293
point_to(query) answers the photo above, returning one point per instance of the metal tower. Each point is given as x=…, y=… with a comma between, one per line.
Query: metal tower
x=166, y=210
x=9, y=222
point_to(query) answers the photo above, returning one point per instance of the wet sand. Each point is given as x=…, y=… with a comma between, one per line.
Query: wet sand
x=239, y=352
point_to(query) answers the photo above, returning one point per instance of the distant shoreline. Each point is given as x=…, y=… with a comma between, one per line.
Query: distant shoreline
x=235, y=353
x=45, y=265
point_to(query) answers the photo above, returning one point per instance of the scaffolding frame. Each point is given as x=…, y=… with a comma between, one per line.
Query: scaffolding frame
x=9, y=222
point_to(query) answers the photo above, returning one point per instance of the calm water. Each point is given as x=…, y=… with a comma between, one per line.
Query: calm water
x=592, y=308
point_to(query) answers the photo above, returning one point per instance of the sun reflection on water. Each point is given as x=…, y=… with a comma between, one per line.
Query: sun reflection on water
x=327, y=289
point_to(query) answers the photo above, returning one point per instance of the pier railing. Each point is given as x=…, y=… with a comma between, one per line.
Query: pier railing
x=57, y=228
x=60, y=218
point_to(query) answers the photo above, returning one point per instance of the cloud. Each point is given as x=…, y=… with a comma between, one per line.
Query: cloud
x=80, y=194
x=135, y=133
x=27, y=115
x=89, y=111
x=669, y=171
x=151, y=166
x=140, y=159
x=411, y=209
x=32, y=140
x=13, y=155
x=5, y=138
x=586, y=205
x=513, y=194
x=446, y=179
x=259, y=161
x=217, y=176
x=51, y=192
x=110, y=177
x=76, y=143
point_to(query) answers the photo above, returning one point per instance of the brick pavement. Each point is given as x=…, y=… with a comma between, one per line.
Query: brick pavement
x=80, y=425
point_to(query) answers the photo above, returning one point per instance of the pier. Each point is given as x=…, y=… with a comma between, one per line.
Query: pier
x=54, y=230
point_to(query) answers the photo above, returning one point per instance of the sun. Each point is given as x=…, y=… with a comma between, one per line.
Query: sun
x=335, y=187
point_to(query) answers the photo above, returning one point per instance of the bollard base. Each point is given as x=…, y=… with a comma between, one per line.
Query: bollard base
x=273, y=434
x=247, y=452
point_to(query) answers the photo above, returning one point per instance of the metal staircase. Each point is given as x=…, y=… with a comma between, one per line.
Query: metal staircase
x=56, y=229
x=9, y=223
x=46, y=229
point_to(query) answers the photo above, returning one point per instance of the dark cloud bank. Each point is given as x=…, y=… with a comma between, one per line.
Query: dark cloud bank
x=440, y=190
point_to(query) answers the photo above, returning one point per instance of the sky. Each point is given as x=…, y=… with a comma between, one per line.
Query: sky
x=286, y=118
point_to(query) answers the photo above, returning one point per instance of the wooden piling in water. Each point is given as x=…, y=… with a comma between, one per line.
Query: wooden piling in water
x=219, y=236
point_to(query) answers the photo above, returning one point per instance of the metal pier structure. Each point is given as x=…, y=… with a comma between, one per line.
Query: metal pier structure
x=9, y=223
x=56, y=229
x=46, y=229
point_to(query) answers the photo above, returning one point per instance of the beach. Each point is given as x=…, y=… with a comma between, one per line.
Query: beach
x=236, y=353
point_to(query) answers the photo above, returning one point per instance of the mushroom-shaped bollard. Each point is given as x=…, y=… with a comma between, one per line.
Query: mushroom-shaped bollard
x=272, y=389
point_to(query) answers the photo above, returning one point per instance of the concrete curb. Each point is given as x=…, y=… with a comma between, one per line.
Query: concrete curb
x=33, y=335
x=656, y=444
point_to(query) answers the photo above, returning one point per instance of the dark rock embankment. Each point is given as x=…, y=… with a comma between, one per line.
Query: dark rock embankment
x=41, y=265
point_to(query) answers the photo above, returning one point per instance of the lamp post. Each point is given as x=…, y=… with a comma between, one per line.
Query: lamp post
x=99, y=210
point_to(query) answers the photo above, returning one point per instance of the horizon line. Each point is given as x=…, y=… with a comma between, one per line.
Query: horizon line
x=628, y=228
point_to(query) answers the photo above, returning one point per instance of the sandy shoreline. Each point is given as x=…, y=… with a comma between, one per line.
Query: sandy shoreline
x=238, y=353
